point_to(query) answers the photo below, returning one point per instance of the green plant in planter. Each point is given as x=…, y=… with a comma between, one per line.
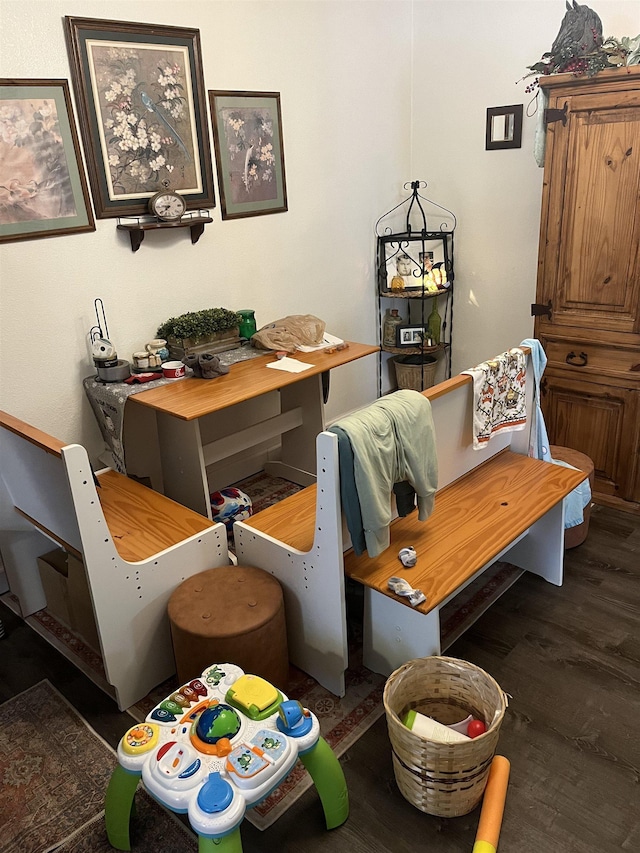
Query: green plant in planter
x=196, y=326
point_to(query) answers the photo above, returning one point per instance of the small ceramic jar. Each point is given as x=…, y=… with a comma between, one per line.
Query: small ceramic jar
x=158, y=348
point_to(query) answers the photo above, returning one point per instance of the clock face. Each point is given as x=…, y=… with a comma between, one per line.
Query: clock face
x=167, y=205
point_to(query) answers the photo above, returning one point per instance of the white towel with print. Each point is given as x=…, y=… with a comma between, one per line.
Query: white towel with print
x=499, y=398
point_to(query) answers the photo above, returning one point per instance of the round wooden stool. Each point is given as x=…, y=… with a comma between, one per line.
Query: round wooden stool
x=574, y=536
x=234, y=614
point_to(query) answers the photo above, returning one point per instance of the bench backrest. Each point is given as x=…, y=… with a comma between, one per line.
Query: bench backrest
x=34, y=474
x=452, y=404
x=136, y=546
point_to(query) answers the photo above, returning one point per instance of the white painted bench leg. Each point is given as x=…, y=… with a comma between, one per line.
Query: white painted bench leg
x=314, y=603
x=394, y=633
x=541, y=551
x=183, y=469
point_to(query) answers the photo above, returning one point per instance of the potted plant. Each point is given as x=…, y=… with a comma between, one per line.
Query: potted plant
x=212, y=329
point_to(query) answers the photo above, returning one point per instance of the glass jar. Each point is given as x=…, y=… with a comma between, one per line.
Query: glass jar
x=391, y=323
x=247, y=326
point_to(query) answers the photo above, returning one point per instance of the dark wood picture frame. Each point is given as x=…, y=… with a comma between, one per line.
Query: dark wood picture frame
x=504, y=127
x=249, y=149
x=143, y=117
x=43, y=188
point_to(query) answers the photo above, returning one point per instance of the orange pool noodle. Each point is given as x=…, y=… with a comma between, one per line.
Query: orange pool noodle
x=492, y=806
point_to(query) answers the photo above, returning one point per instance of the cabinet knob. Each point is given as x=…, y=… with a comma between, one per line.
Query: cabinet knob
x=577, y=360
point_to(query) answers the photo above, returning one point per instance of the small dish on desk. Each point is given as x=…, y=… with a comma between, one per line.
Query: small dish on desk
x=173, y=370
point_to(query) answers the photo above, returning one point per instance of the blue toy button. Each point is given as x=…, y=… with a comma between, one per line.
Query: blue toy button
x=215, y=795
x=293, y=720
x=163, y=716
x=191, y=769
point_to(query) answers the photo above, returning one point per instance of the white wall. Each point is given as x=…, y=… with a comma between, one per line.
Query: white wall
x=373, y=94
x=470, y=55
x=346, y=142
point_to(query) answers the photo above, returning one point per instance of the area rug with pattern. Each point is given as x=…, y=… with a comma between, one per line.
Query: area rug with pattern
x=54, y=772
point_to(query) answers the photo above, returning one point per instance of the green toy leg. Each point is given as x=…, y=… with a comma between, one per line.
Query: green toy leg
x=326, y=772
x=118, y=805
x=229, y=844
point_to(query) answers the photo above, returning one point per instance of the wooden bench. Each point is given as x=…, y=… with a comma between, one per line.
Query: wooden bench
x=137, y=546
x=493, y=504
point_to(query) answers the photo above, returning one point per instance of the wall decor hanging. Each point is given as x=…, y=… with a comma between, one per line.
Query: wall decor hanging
x=142, y=108
x=43, y=189
x=247, y=131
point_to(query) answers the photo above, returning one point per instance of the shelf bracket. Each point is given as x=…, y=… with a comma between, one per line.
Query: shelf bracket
x=137, y=236
x=196, y=232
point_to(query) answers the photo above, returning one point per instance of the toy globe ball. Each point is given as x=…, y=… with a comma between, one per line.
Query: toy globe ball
x=217, y=722
x=229, y=505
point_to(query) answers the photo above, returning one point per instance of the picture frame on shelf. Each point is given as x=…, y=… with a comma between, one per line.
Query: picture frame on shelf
x=249, y=151
x=414, y=263
x=141, y=102
x=43, y=187
x=412, y=336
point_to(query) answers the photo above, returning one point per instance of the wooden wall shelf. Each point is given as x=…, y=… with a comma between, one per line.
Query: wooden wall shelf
x=137, y=229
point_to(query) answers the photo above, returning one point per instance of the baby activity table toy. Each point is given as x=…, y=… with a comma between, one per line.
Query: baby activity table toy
x=215, y=747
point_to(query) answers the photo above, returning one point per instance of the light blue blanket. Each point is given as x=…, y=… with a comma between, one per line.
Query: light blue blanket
x=579, y=498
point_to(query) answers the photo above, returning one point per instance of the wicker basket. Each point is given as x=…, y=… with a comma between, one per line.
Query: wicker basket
x=415, y=372
x=444, y=779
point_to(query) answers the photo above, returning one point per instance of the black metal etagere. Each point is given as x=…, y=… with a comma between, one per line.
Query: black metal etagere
x=415, y=268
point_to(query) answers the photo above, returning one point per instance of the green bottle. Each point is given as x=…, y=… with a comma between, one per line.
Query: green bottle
x=434, y=324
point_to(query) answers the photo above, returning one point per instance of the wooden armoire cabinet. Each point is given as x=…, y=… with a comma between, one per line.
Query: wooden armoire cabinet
x=588, y=293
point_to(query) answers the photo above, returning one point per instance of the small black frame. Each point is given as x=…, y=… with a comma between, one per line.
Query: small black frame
x=505, y=133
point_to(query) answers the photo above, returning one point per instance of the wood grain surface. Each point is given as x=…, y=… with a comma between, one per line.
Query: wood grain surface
x=474, y=519
x=143, y=522
x=193, y=398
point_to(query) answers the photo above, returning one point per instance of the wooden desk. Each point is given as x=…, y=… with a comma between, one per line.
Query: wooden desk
x=181, y=407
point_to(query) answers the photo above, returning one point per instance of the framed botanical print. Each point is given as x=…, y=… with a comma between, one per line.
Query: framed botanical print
x=43, y=190
x=141, y=102
x=247, y=133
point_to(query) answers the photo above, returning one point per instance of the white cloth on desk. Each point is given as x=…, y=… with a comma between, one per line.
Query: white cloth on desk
x=499, y=396
x=393, y=440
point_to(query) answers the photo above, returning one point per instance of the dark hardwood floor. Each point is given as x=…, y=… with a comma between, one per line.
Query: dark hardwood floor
x=568, y=657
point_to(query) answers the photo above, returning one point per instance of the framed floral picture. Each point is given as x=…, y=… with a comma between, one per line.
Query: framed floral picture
x=247, y=134
x=142, y=108
x=43, y=189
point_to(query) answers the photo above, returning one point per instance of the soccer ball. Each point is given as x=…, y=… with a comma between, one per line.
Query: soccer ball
x=229, y=505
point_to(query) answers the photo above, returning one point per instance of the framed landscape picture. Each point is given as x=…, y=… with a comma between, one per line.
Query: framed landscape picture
x=142, y=108
x=247, y=131
x=43, y=190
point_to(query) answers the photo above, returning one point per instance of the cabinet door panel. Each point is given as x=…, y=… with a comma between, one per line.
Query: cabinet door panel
x=599, y=420
x=590, y=263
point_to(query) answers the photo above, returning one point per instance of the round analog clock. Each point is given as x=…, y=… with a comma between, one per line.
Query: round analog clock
x=167, y=205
